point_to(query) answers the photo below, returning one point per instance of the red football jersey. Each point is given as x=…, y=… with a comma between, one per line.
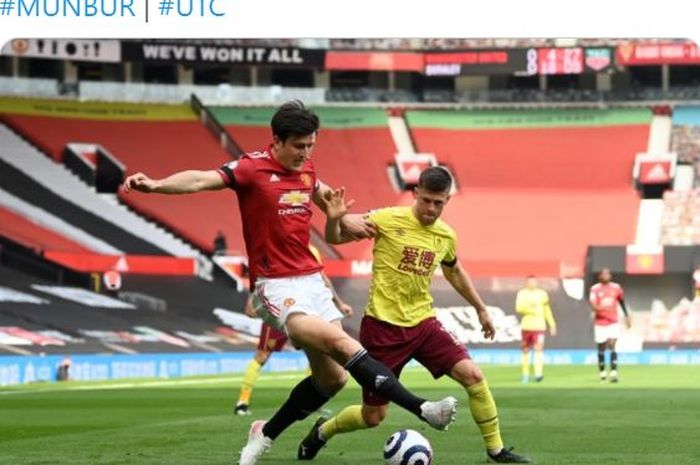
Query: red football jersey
x=275, y=206
x=605, y=298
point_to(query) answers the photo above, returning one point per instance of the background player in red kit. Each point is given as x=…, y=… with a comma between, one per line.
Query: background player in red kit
x=275, y=189
x=605, y=296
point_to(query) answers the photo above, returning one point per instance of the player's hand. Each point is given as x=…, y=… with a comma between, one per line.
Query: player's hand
x=358, y=227
x=553, y=331
x=249, y=310
x=336, y=205
x=628, y=321
x=139, y=182
x=344, y=308
x=487, y=325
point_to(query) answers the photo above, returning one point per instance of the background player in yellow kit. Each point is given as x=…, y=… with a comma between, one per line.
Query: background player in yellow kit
x=533, y=304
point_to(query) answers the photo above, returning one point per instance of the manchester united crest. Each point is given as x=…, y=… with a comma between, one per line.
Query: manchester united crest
x=305, y=179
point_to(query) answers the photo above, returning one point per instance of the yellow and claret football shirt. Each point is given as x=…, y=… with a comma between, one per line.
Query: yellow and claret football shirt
x=406, y=255
x=533, y=305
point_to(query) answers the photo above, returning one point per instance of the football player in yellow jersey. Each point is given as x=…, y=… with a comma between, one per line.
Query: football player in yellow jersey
x=273, y=340
x=400, y=322
x=533, y=304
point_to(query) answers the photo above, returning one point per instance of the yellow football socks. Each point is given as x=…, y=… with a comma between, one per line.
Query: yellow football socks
x=539, y=363
x=251, y=374
x=349, y=419
x=484, y=412
x=526, y=364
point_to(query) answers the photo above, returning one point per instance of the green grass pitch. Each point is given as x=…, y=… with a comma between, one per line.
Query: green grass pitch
x=651, y=417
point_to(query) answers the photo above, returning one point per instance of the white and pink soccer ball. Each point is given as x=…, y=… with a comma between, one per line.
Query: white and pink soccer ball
x=408, y=447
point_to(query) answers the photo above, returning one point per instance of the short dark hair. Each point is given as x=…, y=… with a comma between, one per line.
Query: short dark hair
x=293, y=119
x=435, y=179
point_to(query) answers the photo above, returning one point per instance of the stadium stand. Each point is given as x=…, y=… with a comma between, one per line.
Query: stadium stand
x=560, y=178
x=685, y=136
x=354, y=149
x=32, y=235
x=156, y=139
x=81, y=321
x=93, y=221
x=681, y=218
x=50, y=224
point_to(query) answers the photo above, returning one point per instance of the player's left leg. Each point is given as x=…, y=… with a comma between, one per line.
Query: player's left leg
x=327, y=378
x=442, y=354
x=250, y=376
x=613, y=360
x=388, y=344
x=539, y=358
x=352, y=418
x=525, y=360
x=484, y=411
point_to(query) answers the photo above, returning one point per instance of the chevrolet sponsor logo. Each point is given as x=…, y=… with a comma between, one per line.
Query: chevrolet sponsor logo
x=294, y=198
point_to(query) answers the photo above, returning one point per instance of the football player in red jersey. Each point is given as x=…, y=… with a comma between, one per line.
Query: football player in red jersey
x=605, y=296
x=275, y=189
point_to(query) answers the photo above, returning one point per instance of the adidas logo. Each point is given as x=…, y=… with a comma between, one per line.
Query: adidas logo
x=657, y=173
x=379, y=380
x=274, y=178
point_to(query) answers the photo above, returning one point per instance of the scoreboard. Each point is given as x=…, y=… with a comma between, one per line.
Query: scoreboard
x=560, y=60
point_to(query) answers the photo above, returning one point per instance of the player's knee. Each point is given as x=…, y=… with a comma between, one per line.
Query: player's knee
x=342, y=347
x=337, y=383
x=373, y=416
x=332, y=383
x=467, y=373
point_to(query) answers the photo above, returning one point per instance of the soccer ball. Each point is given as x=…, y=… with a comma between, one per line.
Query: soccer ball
x=408, y=447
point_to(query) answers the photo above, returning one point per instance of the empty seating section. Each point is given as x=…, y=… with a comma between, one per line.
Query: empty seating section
x=681, y=218
x=155, y=139
x=354, y=149
x=34, y=236
x=53, y=223
x=538, y=186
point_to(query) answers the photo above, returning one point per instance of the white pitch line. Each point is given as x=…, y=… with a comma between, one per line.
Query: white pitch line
x=149, y=384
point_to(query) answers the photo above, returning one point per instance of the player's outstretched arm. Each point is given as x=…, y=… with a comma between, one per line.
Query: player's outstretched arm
x=184, y=182
x=349, y=227
x=460, y=281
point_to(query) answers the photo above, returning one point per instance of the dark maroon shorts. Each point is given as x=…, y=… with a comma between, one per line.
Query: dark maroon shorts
x=429, y=343
x=532, y=338
x=271, y=339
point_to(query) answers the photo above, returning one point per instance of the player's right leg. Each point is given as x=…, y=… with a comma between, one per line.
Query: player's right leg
x=601, y=340
x=312, y=332
x=306, y=397
x=352, y=418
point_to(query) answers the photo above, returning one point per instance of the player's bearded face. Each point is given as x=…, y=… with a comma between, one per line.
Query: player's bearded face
x=295, y=151
x=428, y=205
